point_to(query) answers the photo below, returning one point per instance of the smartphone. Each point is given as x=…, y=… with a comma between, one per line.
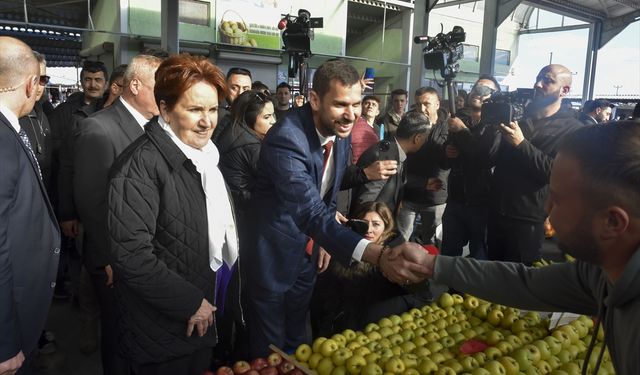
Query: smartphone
x=369, y=73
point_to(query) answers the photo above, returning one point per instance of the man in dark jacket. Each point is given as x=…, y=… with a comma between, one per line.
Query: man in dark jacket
x=428, y=162
x=522, y=153
x=595, y=112
x=465, y=218
x=238, y=81
x=99, y=140
x=411, y=134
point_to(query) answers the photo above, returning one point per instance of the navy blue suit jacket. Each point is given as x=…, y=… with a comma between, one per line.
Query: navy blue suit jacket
x=29, y=247
x=287, y=208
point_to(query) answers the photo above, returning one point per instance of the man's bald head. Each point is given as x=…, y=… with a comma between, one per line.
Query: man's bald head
x=17, y=63
x=552, y=84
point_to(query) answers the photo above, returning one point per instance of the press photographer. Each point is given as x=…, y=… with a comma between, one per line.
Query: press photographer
x=466, y=214
x=522, y=153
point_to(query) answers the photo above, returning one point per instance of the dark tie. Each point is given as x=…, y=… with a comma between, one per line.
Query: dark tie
x=25, y=140
x=326, y=151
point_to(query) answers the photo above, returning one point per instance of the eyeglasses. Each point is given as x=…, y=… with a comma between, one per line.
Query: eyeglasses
x=44, y=80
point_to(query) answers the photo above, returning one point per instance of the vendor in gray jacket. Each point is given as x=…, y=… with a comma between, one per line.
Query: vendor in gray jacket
x=594, y=207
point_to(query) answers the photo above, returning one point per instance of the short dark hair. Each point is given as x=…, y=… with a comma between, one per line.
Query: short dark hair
x=248, y=106
x=397, y=92
x=118, y=72
x=335, y=69
x=412, y=123
x=241, y=71
x=592, y=105
x=371, y=97
x=609, y=157
x=93, y=67
x=490, y=78
x=283, y=84
x=258, y=85
x=427, y=90
x=179, y=72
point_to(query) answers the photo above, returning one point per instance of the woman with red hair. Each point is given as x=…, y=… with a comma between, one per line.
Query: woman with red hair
x=171, y=225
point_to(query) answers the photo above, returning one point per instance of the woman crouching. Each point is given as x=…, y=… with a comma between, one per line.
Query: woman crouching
x=171, y=225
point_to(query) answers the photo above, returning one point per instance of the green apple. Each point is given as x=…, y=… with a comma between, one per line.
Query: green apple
x=341, y=370
x=494, y=337
x=453, y=364
x=492, y=353
x=481, y=357
x=534, y=352
x=438, y=358
x=451, y=319
x=417, y=313
x=543, y=347
x=508, y=320
x=570, y=368
x=434, y=346
x=445, y=300
x=353, y=345
x=385, y=322
x=469, y=333
x=303, y=352
x=458, y=337
x=372, y=357
x=317, y=343
x=553, y=361
x=525, y=337
x=558, y=372
x=384, y=343
x=355, y=364
x=325, y=366
x=410, y=371
x=421, y=352
x=533, y=315
x=396, y=339
x=481, y=311
x=371, y=369
x=465, y=325
x=340, y=340
x=362, y=339
x=444, y=370
x=519, y=325
x=440, y=323
x=419, y=341
x=395, y=319
x=457, y=299
x=480, y=371
x=394, y=365
x=564, y=356
x=495, y=368
x=314, y=359
x=544, y=367
x=510, y=365
x=554, y=344
x=470, y=302
x=349, y=334
x=504, y=346
x=407, y=346
x=371, y=327
x=328, y=347
x=410, y=360
x=420, y=331
x=523, y=357
x=432, y=336
x=363, y=350
x=495, y=317
x=426, y=366
x=408, y=334
x=420, y=322
x=453, y=328
x=468, y=363
x=447, y=341
x=374, y=336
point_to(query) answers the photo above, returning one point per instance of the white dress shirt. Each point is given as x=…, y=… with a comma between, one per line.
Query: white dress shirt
x=140, y=119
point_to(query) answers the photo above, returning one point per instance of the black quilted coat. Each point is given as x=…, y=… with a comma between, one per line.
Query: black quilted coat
x=157, y=223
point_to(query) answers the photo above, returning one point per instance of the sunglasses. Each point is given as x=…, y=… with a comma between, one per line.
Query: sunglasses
x=44, y=80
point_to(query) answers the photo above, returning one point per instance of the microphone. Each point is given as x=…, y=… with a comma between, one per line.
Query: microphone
x=421, y=39
x=282, y=24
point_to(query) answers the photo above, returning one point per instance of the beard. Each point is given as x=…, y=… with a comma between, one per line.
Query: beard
x=581, y=244
x=541, y=100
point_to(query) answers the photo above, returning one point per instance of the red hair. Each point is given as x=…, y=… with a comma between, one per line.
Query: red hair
x=178, y=73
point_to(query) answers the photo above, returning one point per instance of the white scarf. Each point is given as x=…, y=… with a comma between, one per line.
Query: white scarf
x=223, y=238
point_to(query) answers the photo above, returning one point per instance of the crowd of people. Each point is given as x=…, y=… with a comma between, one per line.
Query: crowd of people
x=201, y=217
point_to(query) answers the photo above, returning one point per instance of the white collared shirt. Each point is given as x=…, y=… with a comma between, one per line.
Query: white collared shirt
x=327, y=180
x=140, y=119
x=13, y=119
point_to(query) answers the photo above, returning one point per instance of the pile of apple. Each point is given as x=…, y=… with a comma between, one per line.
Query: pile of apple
x=458, y=335
x=272, y=365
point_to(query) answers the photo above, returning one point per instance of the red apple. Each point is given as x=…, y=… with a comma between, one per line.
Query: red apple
x=241, y=367
x=258, y=364
x=252, y=372
x=224, y=370
x=285, y=367
x=274, y=359
x=269, y=370
x=296, y=371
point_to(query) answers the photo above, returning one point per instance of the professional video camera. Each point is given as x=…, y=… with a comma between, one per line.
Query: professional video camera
x=442, y=52
x=297, y=35
x=504, y=107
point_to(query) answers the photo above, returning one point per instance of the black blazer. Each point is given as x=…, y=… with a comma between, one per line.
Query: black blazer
x=386, y=191
x=100, y=138
x=29, y=247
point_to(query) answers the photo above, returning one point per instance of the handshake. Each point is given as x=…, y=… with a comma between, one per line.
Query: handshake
x=407, y=263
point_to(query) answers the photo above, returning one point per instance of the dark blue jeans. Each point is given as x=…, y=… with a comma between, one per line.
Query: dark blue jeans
x=463, y=224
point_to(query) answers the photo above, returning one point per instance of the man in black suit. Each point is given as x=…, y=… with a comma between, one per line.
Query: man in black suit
x=411, y=134
x=29, y=234
x=595, y=112
x=100, y=138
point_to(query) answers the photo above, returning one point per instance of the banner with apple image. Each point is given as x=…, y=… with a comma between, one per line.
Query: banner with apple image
x=253, y=23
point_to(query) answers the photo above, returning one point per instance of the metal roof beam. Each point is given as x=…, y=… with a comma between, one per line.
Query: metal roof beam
x=613, y=26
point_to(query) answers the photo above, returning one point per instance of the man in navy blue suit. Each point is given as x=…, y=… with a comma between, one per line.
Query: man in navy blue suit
x=301, y=165
x=29, y=234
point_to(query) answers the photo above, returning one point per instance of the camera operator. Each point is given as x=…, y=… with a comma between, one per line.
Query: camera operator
x=522, y=154
x=466, y=214
x=428, y=163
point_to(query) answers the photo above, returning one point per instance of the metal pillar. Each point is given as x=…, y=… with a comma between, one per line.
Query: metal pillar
x=169, y=12
x=420, y=27
x=595, y=34
x=489, y=34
